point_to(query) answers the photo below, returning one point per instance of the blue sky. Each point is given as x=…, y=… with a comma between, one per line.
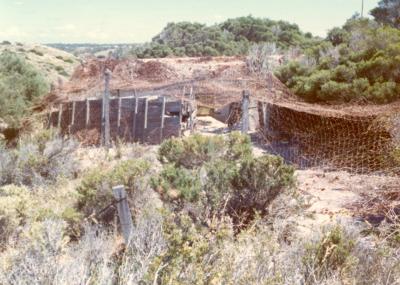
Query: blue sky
x=134, y=21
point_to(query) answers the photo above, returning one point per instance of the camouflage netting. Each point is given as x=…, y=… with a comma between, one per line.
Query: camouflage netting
x=359, y=138
x=361, y=144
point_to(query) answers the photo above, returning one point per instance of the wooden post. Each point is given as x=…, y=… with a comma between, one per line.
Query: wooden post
x=60, y=110
x=264, y=112
x=146, y=106
x=245, y=112
x=162, y=119
x=87, y=112
x=135, y=117
x=49, y=124
x=106, y=110
x=180, y=117
x=119, y=112
x=73, y=113
x=124, y=213
x=191, y=93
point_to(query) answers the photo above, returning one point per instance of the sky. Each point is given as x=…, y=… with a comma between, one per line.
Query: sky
x=134, y=21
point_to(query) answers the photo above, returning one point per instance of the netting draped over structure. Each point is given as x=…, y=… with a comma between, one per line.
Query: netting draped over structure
x=359, y=144
x=359, y=138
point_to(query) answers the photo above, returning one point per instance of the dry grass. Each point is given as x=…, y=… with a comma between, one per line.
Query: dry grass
x=168, y=247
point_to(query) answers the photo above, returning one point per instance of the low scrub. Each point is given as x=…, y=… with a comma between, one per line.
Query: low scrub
x=333, y=252
x=195, y=150
x=218, y=176
x=14, y=207
x=95, y=190
x=38, y=159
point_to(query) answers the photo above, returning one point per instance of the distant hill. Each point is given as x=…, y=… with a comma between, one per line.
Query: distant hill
x=52, y=63
x=99, y=50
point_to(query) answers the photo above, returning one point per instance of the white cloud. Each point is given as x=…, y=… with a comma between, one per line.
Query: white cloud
x=65, y=28
x=12, y=32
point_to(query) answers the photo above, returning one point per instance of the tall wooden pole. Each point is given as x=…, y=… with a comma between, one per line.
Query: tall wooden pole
x=106, y=110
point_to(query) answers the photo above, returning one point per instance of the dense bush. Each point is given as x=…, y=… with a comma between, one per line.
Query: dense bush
x=220, y=176
x=191, y=152
x=20, y=87
x=198, y=149
x=360, y=61
x=177, y=183
x=232, y=37
x=388, y=12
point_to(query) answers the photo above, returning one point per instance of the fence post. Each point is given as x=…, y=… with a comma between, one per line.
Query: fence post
x=135, y=117
x=60, y=110
x=146, y=106
x=162, y=119
x=119, y=112
x=87, y=112
x=245, y=112
x=124, y=213
x=180, y=117
x=106, y=110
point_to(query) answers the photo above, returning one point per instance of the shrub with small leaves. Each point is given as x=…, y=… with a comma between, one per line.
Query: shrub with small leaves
x=177, y=183
x=14, y=207
x=95, y=190
x=192, y=151
x=39, y=159
x=219, y=176
x=332, y=253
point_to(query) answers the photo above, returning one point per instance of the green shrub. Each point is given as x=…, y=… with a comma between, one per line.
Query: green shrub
x=39, y=53
x=195, y=150
x=286, y=73
x=247, y=186
x=68, y=60
x=384, y=92
x=61, y=70
x=232, y=37
x=338, y=36
x=387, y=13
x=220, y=175
x=187, y=248
x=192, y=151
x=332, y=90
x=95, y=190
x=14, y=208
x=177, y=183
x=332, y=253
x=237, y=146
x=345, y=64
x=21, y=85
